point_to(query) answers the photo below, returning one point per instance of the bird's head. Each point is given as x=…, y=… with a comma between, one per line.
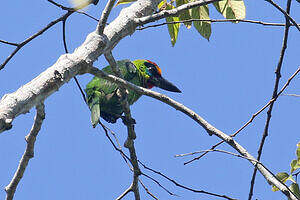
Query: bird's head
x=153, y=77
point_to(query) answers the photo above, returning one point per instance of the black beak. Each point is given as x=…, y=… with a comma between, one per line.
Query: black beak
x=166, y=85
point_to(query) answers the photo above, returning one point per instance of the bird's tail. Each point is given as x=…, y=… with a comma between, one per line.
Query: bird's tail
x=95, y=110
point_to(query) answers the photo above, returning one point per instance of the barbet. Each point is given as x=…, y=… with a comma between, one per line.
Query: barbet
x=103, y=96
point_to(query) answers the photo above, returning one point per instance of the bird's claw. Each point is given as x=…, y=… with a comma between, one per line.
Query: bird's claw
x=127, y=121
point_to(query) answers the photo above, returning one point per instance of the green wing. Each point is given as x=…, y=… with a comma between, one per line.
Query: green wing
x=102, y=97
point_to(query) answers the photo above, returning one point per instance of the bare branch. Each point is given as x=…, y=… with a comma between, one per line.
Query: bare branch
x=119, y=149
x=70, y=65
x=104, y=16
x=126, y=158
x=130, y=127
x=252, y=118
x=66, y=50
x=73, y=9
x=215, y=150
x=29, y=152
x=125, y=193
x=175, y=11
x=271, y=178
x=214, y=21
x=19, y=46
x=292, y=95
x=147, y=190
x=286, y=14
x=158, y=183
x=185, y=187
x=275, y=91
x=10, y=43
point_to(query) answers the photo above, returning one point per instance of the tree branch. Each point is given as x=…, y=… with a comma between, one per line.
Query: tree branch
x=275, y=90
x=214, y=21
x=104, y=16
x=173, y=12
x=286, y=14
x=293, y=95
x=185, y=187
x=69, y=65
x=271, y=178
x=10, y=43
x=125, y=193
x=252, y=118
x=147, y=190
x=29, y=151
x=130, y=127
x=20, y=45
x=214, y=150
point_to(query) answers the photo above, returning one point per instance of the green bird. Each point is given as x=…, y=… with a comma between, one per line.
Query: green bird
x=103, y=96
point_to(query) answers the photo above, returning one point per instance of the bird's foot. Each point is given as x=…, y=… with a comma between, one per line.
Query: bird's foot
x=127, y=121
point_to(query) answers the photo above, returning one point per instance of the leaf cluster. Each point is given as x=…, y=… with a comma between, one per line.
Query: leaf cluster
x=199, y=16
x=284, y=176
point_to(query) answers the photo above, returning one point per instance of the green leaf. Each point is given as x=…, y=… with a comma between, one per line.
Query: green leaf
x=283, y=177
x=298, y=151
x=231, y=9
x=294, y=187
x=294, y=165
x=124, y=2
x=173, y=28
x=162, y=5
x=185, y=15
x=203, y=27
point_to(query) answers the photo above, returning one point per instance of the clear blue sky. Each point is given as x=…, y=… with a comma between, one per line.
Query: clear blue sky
x=224, y=80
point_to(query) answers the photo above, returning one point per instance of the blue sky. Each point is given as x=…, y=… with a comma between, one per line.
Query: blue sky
x=224, y=80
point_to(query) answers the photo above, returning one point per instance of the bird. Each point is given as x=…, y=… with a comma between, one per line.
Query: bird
x=103, y=96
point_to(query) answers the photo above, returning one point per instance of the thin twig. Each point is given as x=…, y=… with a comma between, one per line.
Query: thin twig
x=125, y=193
x=184, y=187
x=33, y=37
x=73, y=9
x=173, y=12
x=275, y=90
x=125, y=157
x=253, y=116
x=10, y=43
x=66, y=50
x=29, y=151
x=293, y=95
x=216, y=150
x=286, y=14
x=147, y=190
x=158, y=183
x=104, y=16
x=215, y=20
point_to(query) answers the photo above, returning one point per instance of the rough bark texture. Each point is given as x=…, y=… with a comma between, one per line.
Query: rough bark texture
x=69, y=65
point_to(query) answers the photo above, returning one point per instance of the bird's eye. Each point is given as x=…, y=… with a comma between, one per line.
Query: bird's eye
x=152, y=69
x=148, y=65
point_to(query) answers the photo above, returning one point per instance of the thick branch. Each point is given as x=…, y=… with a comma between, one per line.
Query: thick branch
x=69, y=65
x=29, y=151
x=202, y=122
